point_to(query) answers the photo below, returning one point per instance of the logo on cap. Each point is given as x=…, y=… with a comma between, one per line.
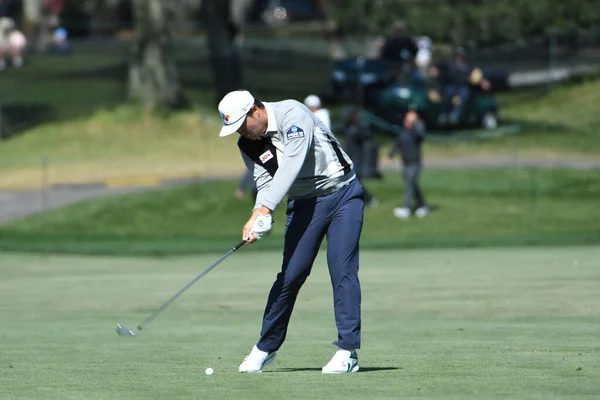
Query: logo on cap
x=225, y=117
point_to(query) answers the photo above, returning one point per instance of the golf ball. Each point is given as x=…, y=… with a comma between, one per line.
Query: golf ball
x=209, y=371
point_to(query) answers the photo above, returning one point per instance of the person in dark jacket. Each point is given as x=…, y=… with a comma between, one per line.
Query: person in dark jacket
x=408, y=143
x=458, y=78
x=358, y=142
x=399, y=49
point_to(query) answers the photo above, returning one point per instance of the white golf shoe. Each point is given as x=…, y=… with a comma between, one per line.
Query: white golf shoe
x=256, y=360
x=422, y=212
x=343, y=361
x=402, y=212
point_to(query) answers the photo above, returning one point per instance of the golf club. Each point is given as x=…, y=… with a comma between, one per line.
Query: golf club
x=124, y=331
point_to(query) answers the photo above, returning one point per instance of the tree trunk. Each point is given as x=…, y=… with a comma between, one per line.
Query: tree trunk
x=224, y=56
x=153, y=78
x=32, y=23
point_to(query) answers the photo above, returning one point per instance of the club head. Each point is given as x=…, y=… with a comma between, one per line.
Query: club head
x=123, y=331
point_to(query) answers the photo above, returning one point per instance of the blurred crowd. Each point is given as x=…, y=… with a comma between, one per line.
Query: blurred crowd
x=411, y=58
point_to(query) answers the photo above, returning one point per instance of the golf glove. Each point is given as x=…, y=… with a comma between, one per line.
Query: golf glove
x=262, y=225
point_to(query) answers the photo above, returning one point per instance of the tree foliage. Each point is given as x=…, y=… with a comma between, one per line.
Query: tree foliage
x=480, y=22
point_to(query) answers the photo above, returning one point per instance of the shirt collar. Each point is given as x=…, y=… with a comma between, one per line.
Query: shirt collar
x=272, y=123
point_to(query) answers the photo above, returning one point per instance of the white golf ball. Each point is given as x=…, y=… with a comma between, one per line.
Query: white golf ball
x=209, y=371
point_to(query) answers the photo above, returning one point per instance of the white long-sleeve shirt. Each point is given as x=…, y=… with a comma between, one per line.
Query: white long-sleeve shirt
x=309, y=160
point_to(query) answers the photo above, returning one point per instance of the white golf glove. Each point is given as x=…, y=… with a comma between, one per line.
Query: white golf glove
x=262, y=225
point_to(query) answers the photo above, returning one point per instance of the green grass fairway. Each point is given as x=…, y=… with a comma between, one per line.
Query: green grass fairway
x=516, y=323
x=473, y=208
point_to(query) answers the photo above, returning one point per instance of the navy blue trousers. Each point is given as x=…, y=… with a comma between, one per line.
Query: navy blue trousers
x=339, y=216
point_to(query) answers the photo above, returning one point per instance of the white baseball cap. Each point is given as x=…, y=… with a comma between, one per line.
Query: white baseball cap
x=234, y=108
x=312, y=101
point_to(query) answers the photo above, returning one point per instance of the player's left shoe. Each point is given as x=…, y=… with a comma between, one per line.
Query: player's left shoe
x=402, y=212
x=256, y=360
x=343, y=361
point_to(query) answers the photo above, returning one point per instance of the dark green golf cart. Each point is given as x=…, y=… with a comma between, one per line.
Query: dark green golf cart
x=479, y=111
x=371, y=83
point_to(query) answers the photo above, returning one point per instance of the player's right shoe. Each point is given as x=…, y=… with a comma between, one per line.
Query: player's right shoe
x=422, y=212
x=256, y=360
x=343, y=362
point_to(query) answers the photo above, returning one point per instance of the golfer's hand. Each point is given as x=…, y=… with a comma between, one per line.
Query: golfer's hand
x=251, y=232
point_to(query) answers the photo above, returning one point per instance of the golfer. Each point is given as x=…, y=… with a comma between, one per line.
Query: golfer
x=291, y=152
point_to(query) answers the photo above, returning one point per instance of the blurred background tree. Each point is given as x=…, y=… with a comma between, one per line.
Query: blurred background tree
x=153, y=78
x=479, y=22
x=222, y=34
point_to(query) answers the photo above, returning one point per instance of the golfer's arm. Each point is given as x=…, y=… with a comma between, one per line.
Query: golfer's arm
x=261, y=178
x=294, y=155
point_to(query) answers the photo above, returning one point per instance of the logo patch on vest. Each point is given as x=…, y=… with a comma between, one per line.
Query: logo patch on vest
x=266, y=156
x=294, y=133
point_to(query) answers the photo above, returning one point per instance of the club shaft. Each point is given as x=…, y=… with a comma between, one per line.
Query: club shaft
x=186, y=287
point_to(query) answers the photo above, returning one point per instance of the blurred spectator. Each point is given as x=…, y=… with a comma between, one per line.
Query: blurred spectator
x=246, y=182
x=457, y=77
x=313, y=102
x=17, y=43
x=336, y=41
x=12, y=43
x=400, y=50
x=408, y=143
x=359, y=145
x=424, y=55
x=60, y=42
x=49, y=21
x=7, y=24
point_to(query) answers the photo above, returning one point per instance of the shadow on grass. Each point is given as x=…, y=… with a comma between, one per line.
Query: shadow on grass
x=18, y=117
x=288, y=77
x=268, y=76
x=96, y=78
x=116, y=72
x=72, y=89
x=366, y=369
x=535, y=126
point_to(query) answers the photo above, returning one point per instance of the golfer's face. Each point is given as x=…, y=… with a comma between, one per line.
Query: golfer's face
x=253, y=127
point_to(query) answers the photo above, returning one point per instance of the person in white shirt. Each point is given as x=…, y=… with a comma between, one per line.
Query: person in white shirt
x=313, y=102
x=424, y=53
x=12, y=43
